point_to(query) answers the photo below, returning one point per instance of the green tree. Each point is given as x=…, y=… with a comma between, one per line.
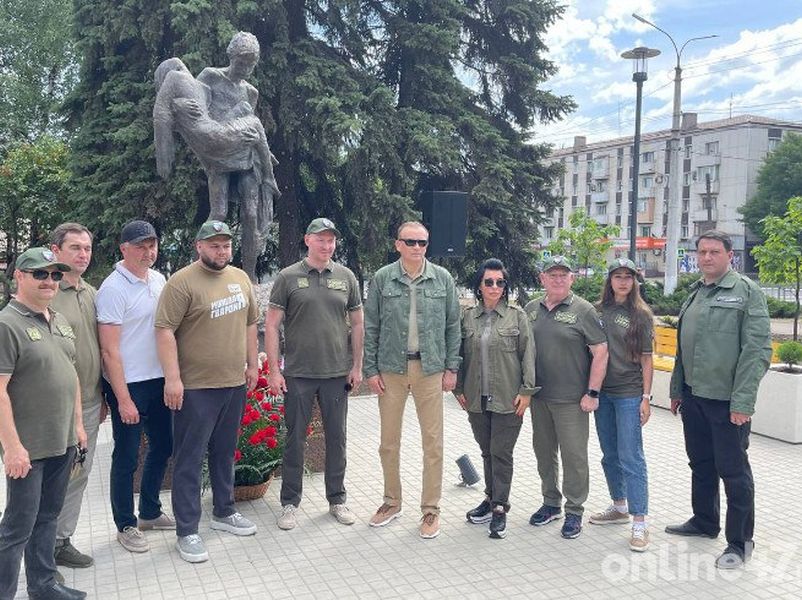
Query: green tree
x=37, y=67
x=586, y=242
x=779, y=257
x=779, y=178
x=34, y=195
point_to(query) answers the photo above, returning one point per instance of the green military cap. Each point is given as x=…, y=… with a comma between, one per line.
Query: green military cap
x=622, y=263
x=322, y=224
x=211, y=229
x=554, y=262
x=39, y=258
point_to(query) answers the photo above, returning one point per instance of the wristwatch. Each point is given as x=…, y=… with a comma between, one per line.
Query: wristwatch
x=592, y=393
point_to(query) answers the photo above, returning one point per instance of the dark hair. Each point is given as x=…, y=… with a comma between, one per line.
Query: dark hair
x=60, y=233
x=491, y=264
x=715, y=234
x=641, y=317
x=409, y=224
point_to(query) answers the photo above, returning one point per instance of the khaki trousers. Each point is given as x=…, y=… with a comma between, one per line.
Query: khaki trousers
x=427, y=391
x=562, y=426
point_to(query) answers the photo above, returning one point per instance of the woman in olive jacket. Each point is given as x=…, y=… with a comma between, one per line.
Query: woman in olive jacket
x=495, y=384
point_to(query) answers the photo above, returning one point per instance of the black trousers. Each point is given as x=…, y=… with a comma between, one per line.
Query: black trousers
x=717, y=450
x=496, y=434
x=298, y=403
x=28, y=528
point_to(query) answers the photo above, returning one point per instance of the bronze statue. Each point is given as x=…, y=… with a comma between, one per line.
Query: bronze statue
x=215, y=115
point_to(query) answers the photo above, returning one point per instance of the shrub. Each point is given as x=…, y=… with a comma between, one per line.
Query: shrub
x=779, y=309
x=790, y=353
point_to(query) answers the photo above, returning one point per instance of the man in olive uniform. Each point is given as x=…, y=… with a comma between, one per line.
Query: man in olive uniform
x=72, y=245
x=40, y=421
x=723, y=352
x=317, y=299
x=570, y=365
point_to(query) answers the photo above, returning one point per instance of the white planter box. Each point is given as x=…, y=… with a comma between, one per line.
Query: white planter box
x=778, y=412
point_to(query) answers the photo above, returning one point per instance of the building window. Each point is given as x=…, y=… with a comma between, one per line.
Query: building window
x=647, y=157
x=683, y=232
x=688, y=151
x=686, y=179
x=574, y=200
x=641, y=206
x=773, y=143
x=601, y=209
x=548, y=232
x=576, y=163
x=711, y=148
x=703, y=172
x=646, y=230
x=647, y=182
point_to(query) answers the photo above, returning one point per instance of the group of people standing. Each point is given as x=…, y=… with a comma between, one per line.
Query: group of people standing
x=177, y=357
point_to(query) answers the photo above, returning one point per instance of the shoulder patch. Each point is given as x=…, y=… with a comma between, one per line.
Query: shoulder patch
x=34, y=334
x=66, y=331
x=303, y=282
x=337, y=284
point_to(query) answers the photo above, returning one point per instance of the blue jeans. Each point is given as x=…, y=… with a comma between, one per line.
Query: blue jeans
x=619, y=429
x=157, y=421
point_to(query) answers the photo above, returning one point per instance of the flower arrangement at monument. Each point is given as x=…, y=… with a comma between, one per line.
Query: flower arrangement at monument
x=260, y=444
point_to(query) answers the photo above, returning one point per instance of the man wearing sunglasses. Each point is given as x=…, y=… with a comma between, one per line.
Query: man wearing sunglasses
x=72, y=245
x=40, y=422
x=412, y=340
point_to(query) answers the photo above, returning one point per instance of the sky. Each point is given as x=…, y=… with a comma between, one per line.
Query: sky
x=754, y=66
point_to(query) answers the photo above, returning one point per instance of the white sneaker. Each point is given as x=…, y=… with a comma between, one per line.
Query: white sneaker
x=342, y=513
x=639, y=541
x=610, y=516
x=287, y=520
x=192, y=549
x=236, y=524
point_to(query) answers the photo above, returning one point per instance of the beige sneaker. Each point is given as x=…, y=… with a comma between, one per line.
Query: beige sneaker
x=429, y=526
x=611, y=515
x=639, y=541
x=287, y=519
x=385, y=514
x=132, y=540
x=162, y=522
x=342, y=513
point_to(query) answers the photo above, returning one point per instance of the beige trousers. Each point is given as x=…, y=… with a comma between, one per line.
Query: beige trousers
x=427, y=391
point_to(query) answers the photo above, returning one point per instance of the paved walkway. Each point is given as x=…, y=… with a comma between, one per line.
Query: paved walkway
x=322, y=559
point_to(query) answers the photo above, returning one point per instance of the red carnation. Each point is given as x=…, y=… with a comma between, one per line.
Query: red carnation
x=259, y=395
x=249, y=395
x=268, y=406
x=237, y=455
x=271, y=442
x=281, y=409
x=255, y=439
x=270, y=431
x=275, y=417
x=309, y=430
x=261, y=382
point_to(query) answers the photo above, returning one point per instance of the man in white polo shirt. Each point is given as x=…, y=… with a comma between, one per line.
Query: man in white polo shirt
x=134, y=384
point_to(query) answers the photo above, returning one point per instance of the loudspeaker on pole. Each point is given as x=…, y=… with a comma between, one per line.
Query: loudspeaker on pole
x=445, y=214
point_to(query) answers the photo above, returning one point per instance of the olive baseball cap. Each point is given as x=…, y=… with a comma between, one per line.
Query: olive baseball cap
x=39, y=258
x=622, y=263
x=137, y=231
x=555, y=262
x=211, y=229
x=322, y=224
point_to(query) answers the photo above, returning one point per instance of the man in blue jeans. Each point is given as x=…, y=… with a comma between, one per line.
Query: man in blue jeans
x=134, y=384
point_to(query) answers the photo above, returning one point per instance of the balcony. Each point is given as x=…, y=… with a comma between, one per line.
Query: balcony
x=699, y=186
x=599, y=197
x=706, y=160
x=646, y=210
x=648, y=167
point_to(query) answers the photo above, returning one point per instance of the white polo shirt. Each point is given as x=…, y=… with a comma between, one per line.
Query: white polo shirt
x=125, y=300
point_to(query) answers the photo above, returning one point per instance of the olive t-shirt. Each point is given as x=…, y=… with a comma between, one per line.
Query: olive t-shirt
x=562, y=336
x=77, y=305
x=624, y=377
x=316, y=325
x=39, y=356
x=209, y=312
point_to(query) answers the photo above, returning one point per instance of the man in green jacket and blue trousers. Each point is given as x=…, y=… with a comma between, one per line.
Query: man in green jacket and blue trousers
x=723, y=351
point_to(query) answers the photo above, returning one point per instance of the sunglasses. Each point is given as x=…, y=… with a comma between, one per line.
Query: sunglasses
x=42, y=275
x=411, y=243
x=501, y=283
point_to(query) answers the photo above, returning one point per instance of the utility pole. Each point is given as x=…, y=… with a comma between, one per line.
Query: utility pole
x=674, y=179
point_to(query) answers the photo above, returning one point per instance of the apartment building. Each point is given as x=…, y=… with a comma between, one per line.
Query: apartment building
x=719, y=165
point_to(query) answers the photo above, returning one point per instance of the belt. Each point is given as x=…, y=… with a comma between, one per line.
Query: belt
x=413, y=355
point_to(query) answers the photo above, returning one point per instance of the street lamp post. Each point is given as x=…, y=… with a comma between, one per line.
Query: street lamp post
x=674, y=185
x=639, y=57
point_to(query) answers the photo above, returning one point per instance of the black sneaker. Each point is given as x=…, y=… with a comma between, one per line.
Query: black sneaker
x=480, y=514
x=67, y=555
x=545, y=514
x=498, y=525
x=572, y=526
